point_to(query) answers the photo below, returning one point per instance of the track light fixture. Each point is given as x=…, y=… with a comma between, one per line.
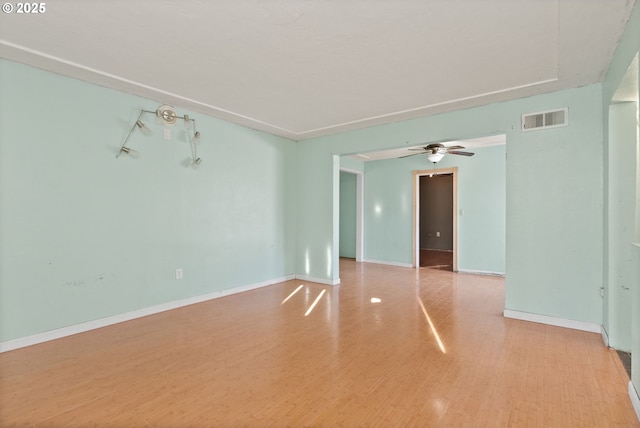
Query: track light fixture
x=168, y=116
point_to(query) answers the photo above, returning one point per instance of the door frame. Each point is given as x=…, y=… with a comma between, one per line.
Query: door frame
x=416, y=211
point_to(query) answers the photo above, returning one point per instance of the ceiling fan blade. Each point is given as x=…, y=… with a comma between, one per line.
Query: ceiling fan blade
x=414, y=154
x=422, y=149
x=455, y=152
x=454, y=147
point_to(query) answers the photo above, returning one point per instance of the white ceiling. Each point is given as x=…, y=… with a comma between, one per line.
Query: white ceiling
x=469, y=145
x=301, y=69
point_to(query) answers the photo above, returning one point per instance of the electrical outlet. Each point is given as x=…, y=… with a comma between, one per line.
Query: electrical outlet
x=437, y=234
x=179, y=273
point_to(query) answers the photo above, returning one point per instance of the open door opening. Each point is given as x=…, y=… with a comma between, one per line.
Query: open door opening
x=435, y=220
x=351, y=242
x=435, y=235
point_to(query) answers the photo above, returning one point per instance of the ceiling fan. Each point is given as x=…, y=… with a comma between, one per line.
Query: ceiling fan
x=436, y=151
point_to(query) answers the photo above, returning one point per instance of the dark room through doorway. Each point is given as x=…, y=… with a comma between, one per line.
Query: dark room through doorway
x=436, y=228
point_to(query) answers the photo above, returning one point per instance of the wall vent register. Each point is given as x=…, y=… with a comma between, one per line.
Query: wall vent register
x=545, y=119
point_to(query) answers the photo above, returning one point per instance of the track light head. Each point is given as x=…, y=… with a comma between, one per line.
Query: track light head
x=128, y=151
x=143, y=127
x=195, y=163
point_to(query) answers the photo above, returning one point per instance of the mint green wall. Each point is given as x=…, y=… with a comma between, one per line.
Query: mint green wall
x=620, y=221
x=482, y=196
x=635, y=321
x=349, y=163
x=315, y=213
x=628, y=48
x=388, y=208
x=348, y=215
x=553, y=197
x=554, y=214
x=85, y=235
x=388, y=199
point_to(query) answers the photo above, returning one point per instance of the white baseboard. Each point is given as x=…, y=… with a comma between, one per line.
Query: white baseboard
x=382, y=262
x=481, y=272
x=635, y=399
x=558, y=322
x=605, y=336
x=46, y=336
x=318, y=280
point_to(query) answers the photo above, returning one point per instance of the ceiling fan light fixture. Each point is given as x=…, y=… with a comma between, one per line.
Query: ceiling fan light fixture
x=435, y=157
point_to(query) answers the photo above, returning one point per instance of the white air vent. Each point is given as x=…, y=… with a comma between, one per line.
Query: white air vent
x=545, y=119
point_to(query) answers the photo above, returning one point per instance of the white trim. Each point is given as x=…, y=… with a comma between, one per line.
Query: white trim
x=318, y=280
x=481, y=272
x=426, y=107
x=58, y=333
x=559, y=322
x=383, y=262
x=635, y=399
x=350, y=170
x=605, y=336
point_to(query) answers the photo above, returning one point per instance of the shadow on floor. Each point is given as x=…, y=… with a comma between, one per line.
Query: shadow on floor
x=625, y=357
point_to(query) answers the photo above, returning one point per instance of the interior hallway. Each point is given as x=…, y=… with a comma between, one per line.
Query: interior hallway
x=434, y=350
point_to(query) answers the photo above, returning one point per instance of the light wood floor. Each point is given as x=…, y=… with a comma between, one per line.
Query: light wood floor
x=251, y=360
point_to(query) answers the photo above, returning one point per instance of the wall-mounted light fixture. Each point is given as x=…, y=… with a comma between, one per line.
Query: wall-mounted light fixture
x=168, y=116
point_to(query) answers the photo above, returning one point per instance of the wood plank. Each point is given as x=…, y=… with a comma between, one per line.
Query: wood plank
x=251, y=360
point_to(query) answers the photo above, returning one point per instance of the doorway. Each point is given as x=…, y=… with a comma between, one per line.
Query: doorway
x=435, y=220
x=622, y=226
x=351, y=224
